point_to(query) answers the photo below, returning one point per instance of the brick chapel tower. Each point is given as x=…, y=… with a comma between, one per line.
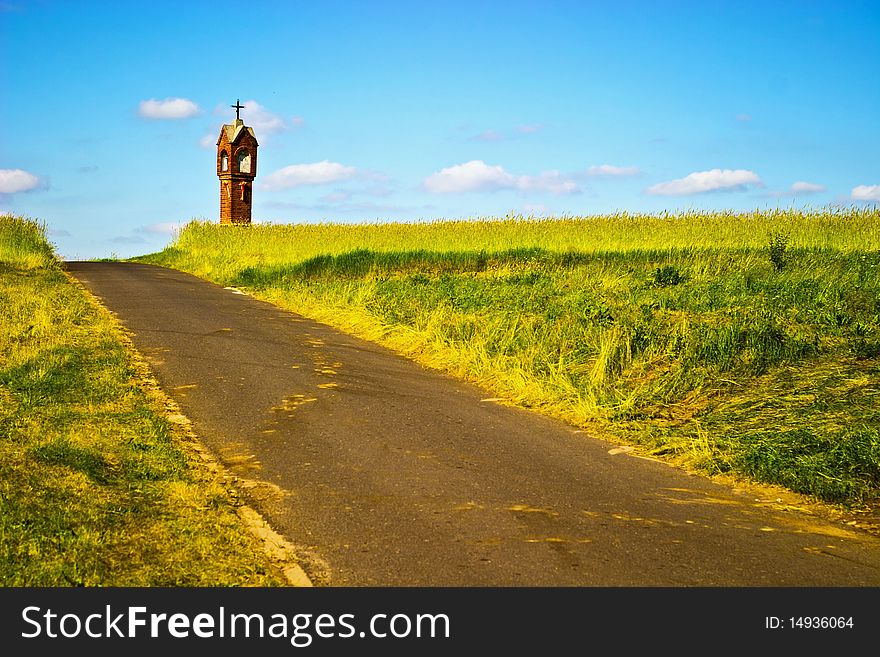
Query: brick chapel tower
x=236, y=168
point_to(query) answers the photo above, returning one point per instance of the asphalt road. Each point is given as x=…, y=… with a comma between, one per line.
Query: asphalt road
x=386, y=473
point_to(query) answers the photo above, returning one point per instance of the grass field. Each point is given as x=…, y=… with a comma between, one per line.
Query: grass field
x=97, y=486
x=738, y=343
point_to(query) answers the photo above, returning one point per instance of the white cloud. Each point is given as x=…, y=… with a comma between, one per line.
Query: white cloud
x=612, y=171
x=529, y=128
x=261, y=119
x=549, y=181
x=473, y=176
x=169, y=108
x=801, y=187
x=701, y=182
x=477, y=176
x=744, y=117
x=257, y=117
x=13, y=181
x=866, y=193
x=315, y=173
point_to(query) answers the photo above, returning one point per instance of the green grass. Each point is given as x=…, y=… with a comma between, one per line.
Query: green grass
x=672, y=332
x=220, y=253
x=23, y=242
x=97, y=487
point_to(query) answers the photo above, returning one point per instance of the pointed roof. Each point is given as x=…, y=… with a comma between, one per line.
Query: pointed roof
x=234, y=130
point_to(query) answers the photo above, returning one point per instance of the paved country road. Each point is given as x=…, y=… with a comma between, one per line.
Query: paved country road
x=392, y=474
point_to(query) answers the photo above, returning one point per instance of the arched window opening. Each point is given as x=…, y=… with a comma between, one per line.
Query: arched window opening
x=224, y=161
x=243, y=158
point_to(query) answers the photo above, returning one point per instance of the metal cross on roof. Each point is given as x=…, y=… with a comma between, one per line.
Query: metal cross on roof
x=238, y=107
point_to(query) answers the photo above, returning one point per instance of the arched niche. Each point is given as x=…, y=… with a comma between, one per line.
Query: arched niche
x=243, y=161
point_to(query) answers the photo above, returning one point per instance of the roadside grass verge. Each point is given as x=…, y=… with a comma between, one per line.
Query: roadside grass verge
x=745, y=344
x=97, y=486
x=23, y=242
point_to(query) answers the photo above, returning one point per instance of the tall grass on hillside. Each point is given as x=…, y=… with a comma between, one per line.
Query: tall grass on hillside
x=23, y=242
x=659, y=328
x=219, y=252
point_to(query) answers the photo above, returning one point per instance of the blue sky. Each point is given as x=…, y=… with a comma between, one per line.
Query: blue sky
x=400, y=111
